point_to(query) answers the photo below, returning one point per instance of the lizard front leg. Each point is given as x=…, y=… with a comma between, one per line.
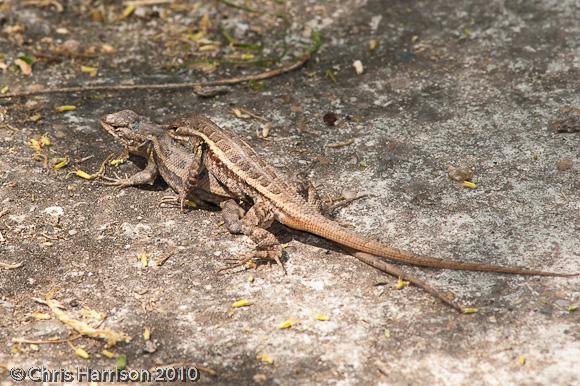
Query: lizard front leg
x=145, y=176
x=253, y=224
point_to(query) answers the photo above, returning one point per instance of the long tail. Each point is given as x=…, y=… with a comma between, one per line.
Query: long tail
x=323, y=227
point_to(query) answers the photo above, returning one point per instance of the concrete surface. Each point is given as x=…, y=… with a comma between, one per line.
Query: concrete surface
x=479, y=84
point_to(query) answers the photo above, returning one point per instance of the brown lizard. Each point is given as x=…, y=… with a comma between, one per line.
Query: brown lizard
x=173, y=161
x=227, y=168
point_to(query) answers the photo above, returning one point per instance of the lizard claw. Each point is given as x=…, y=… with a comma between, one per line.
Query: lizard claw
x=118, y=183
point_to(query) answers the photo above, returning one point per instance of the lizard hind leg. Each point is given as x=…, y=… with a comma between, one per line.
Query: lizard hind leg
x=253, y=224
x=308, y=191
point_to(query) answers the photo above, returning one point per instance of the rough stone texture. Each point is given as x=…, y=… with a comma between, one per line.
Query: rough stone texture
x=463, y=84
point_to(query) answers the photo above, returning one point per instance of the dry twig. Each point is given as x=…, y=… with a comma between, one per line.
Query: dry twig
x=167, y=86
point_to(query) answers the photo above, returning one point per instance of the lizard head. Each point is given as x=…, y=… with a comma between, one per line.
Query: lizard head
x=128, y=127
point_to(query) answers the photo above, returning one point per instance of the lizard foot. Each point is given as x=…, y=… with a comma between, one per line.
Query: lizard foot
x=177, y=200
x=341, y=204
x=254, y=259
x=119, y=183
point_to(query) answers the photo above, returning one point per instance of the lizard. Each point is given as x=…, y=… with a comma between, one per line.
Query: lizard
x=172, y=161
x=227, y=167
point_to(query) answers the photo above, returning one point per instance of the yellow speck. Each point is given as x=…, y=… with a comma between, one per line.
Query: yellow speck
x=469, y=184
x=60, y=163
x=116, y=162
x=128, y=11
x=146, y=333
x=35, y=117
x=247, y=56
x=40, y=316
x=522, y=360
x=45, y=141
x=108, y=354
x=322, y=317
x=572, y=308
x=144, y=259
x=195, y=37
x=241, y=303
x=34, y=347
x=373, y=44
x=190, y=204
x=470, y=310
x=62, y=109
x=285, y=325
x=401, y=284
x=35, y=144
x=265, y=358
x=4, y=90
x=208, y=48
x=251, y=278
x=92, y=71
x=82, y=174
x=82, y=353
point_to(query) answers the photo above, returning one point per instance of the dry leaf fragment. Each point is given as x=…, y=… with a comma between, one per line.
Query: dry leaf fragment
x=128, y=11
x=35, y=117
x=204, y=23
x=80, y=352
x=242, y=303
x=239, y=114
x=84, y=175
x=10, y=265
x=144, y=258
x=60, y=163
x=110, y=336
x=45, y=141
x=341, y=144
x=265, y=358
x=40, y=316
x=64, y=108
x=88, y=313
x=469, y=184
x=116, y=162
x=92, y=71
x=322, y=317
x=25, y=68
x=107, y=49
x=195, y=37
x=204, y=66
x=208, y=48
x=285, y=325
x=108, y=354
x=401, y=284
x=146, y=333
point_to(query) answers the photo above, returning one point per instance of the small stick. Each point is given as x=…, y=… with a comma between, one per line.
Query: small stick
x=49, y=341
x=167, y=86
